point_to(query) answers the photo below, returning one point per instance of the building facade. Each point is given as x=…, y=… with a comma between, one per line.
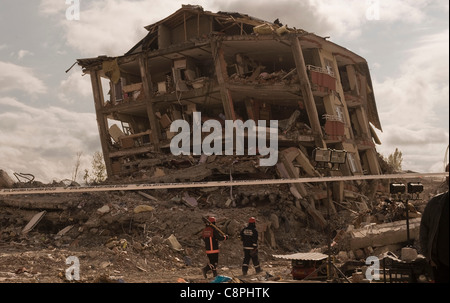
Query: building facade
x=230, y=66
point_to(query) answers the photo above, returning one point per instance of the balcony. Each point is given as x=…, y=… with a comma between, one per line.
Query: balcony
x=323, y=81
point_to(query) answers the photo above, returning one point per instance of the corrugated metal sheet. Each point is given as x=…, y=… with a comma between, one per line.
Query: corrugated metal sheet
x=314, y=256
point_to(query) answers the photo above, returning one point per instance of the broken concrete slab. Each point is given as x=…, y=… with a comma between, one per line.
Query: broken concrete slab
x=38, y=203
x=383, y=234
x=174, y=244
x=63, y=231
x=189, y=201
x=33, y=222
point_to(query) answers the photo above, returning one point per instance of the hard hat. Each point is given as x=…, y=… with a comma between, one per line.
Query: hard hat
x=212, y=219
x=252, y=220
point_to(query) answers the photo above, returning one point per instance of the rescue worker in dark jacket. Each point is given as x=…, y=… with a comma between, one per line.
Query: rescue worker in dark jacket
x=249, y=237
x=212, y=236
x=434, y=235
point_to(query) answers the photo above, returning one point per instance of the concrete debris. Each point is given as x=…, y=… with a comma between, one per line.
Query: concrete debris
x=104, y=209
x=63, y=231
x=171, y=233
x=5, y=180
x=33, y=222
x=174, y=244
x=117, y=244
x=142, y=208
x=189, y=201
x=383, y=234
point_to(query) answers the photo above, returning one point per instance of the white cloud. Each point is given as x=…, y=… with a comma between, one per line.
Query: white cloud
x=52, y=7
x=113, y=27
x=16, y=77
x=413, y=105
x=44, y=141
x=340, y=18
x=74, y=86
x=22, y=53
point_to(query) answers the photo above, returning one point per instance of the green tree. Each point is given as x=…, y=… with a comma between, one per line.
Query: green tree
x=395, y=160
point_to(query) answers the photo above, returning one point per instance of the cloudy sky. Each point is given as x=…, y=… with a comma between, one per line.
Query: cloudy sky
x=47, y=115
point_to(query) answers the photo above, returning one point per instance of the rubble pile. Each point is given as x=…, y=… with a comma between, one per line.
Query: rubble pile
x=132, y=234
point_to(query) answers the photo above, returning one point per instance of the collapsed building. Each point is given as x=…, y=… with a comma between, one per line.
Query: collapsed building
x=231, y=66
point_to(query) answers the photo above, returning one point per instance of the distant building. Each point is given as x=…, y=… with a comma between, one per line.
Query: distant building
x=233, y=66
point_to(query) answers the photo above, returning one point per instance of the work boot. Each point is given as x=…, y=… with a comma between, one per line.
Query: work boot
x=244, y=270
x=258, y=270
x=214, y=273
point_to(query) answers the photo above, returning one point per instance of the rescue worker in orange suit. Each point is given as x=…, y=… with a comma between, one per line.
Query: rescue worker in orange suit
x=249, y=237
x=212, y=236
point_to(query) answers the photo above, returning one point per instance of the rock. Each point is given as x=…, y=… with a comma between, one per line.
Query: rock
x=232, y=227
x=359, y=254
x=104, y=209
x=342, y=256
x=272, y=198
x=368, y=251
x=245, y=201
x=351, y=255
x=142, y=208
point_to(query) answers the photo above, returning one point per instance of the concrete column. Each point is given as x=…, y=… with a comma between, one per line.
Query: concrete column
x=307, y=93
x=222, y=76
x=102, y=120
x=147, y=87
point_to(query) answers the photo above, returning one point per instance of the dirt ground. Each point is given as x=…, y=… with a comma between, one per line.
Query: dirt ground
x=121, y=236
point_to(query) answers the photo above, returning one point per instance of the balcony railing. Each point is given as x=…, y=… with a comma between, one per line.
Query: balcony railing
x=322, y=80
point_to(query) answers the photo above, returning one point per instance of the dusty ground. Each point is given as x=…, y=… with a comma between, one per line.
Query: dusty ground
x=117, y=239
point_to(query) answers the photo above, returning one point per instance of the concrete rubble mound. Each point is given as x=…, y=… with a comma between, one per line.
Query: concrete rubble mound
x=132, y=235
